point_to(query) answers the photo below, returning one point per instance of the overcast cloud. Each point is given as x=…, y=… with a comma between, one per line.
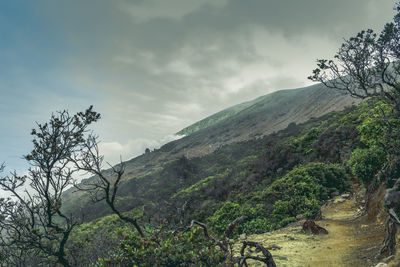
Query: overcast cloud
x=152, y=67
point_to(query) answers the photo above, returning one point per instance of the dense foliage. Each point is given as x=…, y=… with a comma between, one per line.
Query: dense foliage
x=239, y=174
x=166, y=248
x=365, y=163
x=303, y=190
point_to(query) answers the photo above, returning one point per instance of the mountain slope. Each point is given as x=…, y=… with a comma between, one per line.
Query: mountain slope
x=246, y=121
x=276, y=110
x=217, y=117
x=155, y=178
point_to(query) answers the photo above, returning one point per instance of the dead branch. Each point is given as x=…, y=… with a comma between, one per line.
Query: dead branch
x=267, y=259
x=233, y=225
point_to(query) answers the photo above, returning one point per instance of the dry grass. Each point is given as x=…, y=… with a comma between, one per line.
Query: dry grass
x=352, y=240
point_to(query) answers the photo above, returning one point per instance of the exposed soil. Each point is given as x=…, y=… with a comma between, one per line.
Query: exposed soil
x=353, y=240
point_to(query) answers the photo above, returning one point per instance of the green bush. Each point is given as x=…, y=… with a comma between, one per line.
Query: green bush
x=257, y=225
x=166, y=248
x=304, y=142
x=365, y=163
x=378, y=126
x=302, y=190
x=229, y=211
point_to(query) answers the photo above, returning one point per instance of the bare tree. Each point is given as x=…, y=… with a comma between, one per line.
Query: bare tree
x=104, y=186
x=368, y=65
x=32, y=220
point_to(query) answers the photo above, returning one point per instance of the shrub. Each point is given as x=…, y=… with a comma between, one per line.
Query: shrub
x=302, y=190
x=229, y=211
x=166, y=248
x=365, y=163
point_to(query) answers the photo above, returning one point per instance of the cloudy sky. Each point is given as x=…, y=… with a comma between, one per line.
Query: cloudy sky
x=152, y=67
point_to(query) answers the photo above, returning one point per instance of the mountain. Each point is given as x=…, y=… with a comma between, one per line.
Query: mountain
x=274, y=180
x=270, y=113
x=248, y=121
x=270, y=179
x=254, y=119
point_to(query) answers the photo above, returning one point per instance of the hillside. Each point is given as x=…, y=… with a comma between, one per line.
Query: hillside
x=246, y=121
x=254, y=119
x=273, y=180
x=274, y=111
x=215, y=118
x=233, y=168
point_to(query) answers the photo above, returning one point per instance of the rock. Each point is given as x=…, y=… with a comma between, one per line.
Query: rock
x=346, y=195
x=311, y=226
x=388, y=259
x=382, y=264
x=242, y=237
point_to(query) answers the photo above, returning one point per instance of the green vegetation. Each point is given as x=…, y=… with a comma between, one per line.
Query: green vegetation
x=213, y=119
x=229, y=211
x=303, y=190
x=368, y=65
x=365, y=163
x=242, y=173
x=165, y=248
x=299, y=192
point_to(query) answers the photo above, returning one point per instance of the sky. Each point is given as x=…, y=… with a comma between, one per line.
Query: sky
x=153, y=67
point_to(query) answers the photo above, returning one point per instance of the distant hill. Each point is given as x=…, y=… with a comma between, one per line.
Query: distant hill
x=262, y=116
x=275, y=111
x=247, y=121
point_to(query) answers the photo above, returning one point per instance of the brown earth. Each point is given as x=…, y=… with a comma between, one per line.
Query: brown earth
x=353, y=240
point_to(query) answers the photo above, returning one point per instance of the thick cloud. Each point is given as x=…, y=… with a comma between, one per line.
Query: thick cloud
x=152, y=67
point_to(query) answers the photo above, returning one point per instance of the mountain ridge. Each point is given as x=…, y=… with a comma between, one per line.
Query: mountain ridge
x=252, y=119
x=260, y=117
x=260, y=102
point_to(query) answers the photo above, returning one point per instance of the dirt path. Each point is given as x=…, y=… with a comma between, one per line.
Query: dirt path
x=351, y=240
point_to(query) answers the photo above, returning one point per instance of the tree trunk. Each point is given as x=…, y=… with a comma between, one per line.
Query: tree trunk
x=63, y=261
x=371, y=189
x=389, y=243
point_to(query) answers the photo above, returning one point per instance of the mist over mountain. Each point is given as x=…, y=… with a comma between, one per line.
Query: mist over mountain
x=253, y=119
x=246, y=121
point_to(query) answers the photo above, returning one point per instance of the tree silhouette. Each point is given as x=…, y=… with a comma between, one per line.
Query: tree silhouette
x=32, y=219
